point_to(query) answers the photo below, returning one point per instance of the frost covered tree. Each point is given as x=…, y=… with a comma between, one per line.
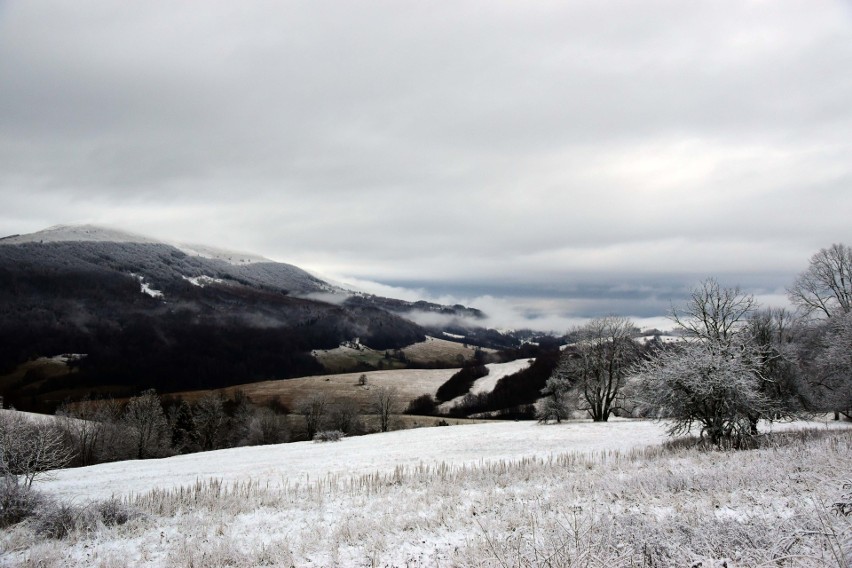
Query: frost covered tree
x=29, y=449
x=90, y=426
x=697, y=384
x=596, y=367
x=210, y=421
x=715, y=380
x=775, y=332
x=825, y=288
x=825, y=355
x=147, y=425
x=556, y=404
x=714, y=313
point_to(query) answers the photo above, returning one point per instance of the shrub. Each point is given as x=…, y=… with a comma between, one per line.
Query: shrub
x=60, y=519
x=328, y=436
x=17, y=502
x=113, y=512
x=423, y=405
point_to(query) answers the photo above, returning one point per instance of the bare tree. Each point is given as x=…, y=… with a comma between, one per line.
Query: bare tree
x=30, y=448
x=147, y=425
x=773, y=333
x=209, y=421
x=89, y=424
x=384, y=405
x=345, y=416
x=597, y=365
x=313, y=410
x=825, y=288
x=267, y=427
x=714, y=313
x=825, y=355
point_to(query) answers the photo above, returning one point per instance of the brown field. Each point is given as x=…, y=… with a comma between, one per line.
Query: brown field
x=433, y=351
x=409, y=384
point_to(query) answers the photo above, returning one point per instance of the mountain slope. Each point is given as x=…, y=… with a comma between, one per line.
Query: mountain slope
x=147, y=314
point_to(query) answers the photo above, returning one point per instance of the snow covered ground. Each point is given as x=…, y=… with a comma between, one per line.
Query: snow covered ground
x=496, y=494
x=287, y=464
x=304, y=461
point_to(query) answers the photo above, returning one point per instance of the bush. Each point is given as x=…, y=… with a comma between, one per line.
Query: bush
x=328, y=436
x=17, y=502
x=423, y=405
x=113, y=512
x=60, y=519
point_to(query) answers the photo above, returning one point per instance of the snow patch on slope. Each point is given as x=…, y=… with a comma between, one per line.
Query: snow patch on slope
x=146, y=288
x=486, y=384
x=202, y=281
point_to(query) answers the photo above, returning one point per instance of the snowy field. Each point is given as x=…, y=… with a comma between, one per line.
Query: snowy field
x=497, y=494
x=288, y=464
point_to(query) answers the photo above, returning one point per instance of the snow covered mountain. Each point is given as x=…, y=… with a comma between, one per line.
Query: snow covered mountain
x=174, y=317
x=152, y=314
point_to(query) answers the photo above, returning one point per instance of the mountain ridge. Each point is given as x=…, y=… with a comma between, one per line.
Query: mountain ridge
x=148, y=314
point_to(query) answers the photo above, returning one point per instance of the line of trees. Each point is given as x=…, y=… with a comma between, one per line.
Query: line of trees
x=738, y=363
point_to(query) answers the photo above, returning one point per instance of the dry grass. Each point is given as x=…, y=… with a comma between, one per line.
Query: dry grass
x=409, y=384
x=655, y=507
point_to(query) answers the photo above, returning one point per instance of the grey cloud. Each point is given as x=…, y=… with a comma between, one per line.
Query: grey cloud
x=441, y=143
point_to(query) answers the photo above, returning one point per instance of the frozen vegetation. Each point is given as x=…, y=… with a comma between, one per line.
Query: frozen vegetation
x=505, y=494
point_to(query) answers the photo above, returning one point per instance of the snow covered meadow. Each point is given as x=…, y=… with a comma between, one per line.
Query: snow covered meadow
x=497, y=494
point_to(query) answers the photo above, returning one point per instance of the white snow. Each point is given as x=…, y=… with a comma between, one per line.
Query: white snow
x=307, y=461
x=146, y=288
x=486, y=384
x=202, y=281
x=453, y=496
x=453, y=335
x=497, y=371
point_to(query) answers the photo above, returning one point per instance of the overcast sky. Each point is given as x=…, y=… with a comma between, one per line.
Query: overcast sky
x=543, y=159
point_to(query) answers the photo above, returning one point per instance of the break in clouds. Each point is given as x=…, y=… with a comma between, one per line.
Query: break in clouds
x=546, y=162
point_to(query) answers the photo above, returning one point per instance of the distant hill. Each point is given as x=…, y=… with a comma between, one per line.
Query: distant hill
x=145, y=313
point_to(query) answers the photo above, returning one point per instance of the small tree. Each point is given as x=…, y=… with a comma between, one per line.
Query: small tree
x=362, y=380
x=313, y=410
x=210, y=421
x=29, y=449
x=345, y=416
x=147, y=425
x=88, y=424
x=267, y=427
x=384, y=405
x=597, y=366
x=555, y=406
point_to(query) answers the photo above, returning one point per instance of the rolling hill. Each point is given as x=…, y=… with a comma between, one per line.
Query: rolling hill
x=142, y=313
